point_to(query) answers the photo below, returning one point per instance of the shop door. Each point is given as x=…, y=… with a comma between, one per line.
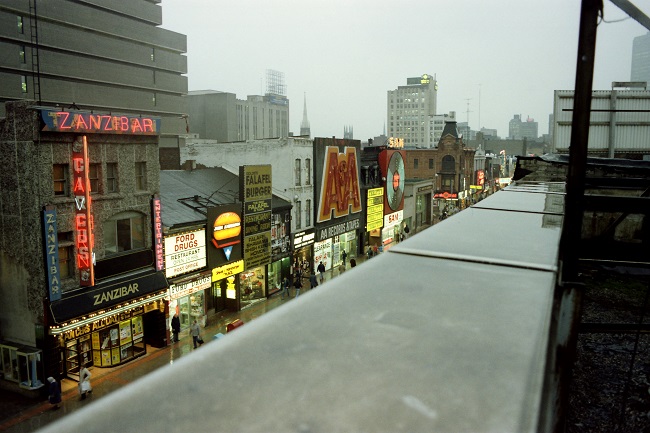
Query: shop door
x=219, y=296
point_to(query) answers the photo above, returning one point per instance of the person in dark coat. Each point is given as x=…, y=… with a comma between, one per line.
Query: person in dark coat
x=55, y=393
x=176, y=327
x=313, y=281
x=297, y=283
x=321, y=270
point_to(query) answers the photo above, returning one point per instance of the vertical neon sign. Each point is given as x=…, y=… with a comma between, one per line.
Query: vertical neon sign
x=83, y=218
x=157, y=238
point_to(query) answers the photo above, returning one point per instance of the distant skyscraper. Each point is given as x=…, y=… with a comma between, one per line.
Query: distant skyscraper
x=518, y=129
x=640, y=70
x=348, y=132
x=221, y=116
x=409, y=110
x=305, y=131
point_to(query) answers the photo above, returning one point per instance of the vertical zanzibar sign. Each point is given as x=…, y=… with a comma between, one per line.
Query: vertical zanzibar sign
x=158, y=234
x=52, y=269
x=83, y=218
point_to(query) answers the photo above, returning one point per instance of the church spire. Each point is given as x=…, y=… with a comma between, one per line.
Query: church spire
x=304, y=125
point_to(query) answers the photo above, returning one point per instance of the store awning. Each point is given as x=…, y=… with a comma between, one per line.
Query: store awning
x=107, y=296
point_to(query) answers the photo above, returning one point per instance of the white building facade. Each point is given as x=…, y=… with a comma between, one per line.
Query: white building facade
x=290, y=157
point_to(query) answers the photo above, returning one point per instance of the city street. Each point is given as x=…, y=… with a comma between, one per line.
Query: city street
x=20, y=414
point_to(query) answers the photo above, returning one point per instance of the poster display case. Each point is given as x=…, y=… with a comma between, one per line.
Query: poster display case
x=118, y=343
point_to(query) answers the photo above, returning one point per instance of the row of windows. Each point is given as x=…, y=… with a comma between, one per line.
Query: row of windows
x=298, y=217
x=98, y=184
x=297, y=169
x=123, y=232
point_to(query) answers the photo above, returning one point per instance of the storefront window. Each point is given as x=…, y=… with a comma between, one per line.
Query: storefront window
x=253, y=286
x=119, y=343
x=196, y=307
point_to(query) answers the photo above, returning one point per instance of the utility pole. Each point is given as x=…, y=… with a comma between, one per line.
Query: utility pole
x=468, y=110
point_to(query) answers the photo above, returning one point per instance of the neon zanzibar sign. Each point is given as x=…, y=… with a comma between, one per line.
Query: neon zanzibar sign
x=83, y=219
x=81, y=122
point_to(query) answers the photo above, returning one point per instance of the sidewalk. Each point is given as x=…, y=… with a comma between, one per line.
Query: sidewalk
x=21, y=414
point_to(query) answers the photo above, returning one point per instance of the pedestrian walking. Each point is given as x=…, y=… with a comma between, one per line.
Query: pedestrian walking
x=321, y=270
x=345, y=256
x=84, y=383
x=313, y=281
x=55, y=393
x=195, y=331
x=297, y=284
x=176, y=327
x=369, y=252
x=285, y=288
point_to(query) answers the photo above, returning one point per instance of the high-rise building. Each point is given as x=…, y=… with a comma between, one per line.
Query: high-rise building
x=518, y=129
x=92, y=57
x=221, y=116
x=437, y=125
x=409, y=111
x=640, y=70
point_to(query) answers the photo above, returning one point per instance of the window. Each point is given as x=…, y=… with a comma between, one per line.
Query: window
x=307, y=213
x=60, y=179
x=23, y=83
x=296, y=170
x=415, y=163
x=19, y=22
x=21, y=54
x=66, y=255
x=308, y=169
x=448, y=163
x=431, y=166
x=153, y=54
x=141, y=176
x=93, y=175
x=298, y=215
x=123, y=232
x=111, y=177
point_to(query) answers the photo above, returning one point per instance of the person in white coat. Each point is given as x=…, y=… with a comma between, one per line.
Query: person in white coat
x=84, y=383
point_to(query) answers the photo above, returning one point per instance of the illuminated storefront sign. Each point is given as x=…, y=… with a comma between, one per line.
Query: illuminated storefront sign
x=185, y=252
x=158, y=234
x=52, y=269
x=83, y=219
x=255, y=191
x=181, y=290
x=337, y=229
x=395, y=143
x=82, y=122
x=375, y=209
x=446, y=195
x=227, y=270
x=225, y=229
x=340, y=193
x=303, y=239
x=480, y=177
x=393, y=219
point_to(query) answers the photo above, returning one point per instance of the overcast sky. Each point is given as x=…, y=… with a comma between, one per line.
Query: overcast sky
x=492, y=58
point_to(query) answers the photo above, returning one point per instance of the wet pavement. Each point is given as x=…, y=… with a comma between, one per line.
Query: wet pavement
x=22, y=414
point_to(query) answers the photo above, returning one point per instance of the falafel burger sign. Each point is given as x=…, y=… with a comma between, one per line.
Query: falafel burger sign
x=224, y=234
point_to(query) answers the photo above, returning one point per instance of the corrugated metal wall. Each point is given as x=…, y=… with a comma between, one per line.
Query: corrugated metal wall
x=631, y=131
